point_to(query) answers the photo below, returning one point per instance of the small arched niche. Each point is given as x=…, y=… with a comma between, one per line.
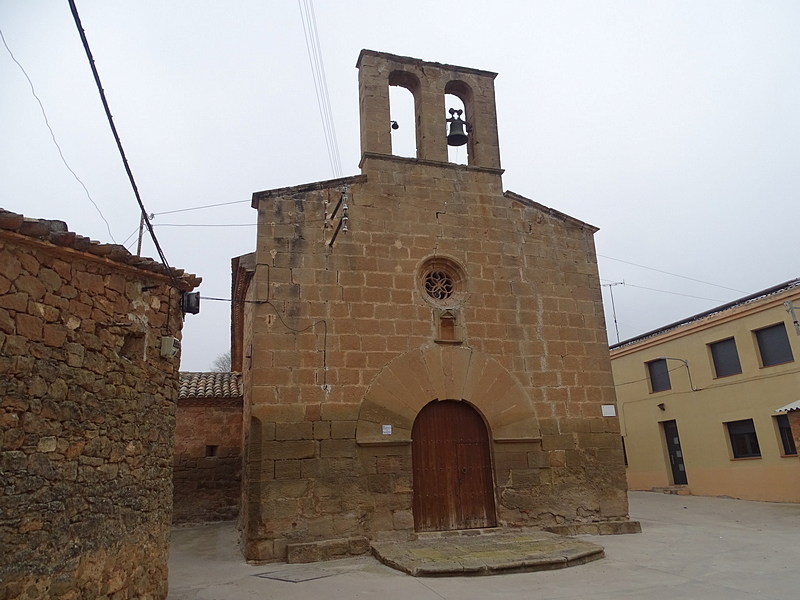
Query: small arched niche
x=458, y=96
x=403, y=102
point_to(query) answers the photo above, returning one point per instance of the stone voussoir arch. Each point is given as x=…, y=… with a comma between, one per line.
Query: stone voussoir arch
x=437, y=372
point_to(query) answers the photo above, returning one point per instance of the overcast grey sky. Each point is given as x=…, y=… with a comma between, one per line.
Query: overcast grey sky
x=671, y=125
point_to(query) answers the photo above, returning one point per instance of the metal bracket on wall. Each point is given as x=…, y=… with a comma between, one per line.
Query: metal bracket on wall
x=790, y=309
x=343, y=222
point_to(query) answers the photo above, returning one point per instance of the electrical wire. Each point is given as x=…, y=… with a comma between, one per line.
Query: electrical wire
x=321, y=63
x=290, y=328
x=712, y=385
x=641, y=287
x=125, y=241
x=145, y=218
x=169, y=212
x=305, y=221
x=204, y=224
x=237, y=301
x=673, y=274
x=320, y=83
x=53, y=136
x=647, y=378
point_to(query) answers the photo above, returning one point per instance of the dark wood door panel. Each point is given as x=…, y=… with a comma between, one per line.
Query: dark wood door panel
x=452, y=471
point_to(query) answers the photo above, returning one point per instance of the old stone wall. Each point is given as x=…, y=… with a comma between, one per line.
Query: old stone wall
x=87, y=410
x=208, y=459
x=531, y=356
x=443, y=287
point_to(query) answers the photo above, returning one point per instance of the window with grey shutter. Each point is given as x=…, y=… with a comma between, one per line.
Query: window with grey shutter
x=773, y=345
x=659, y=375
x=725, y=357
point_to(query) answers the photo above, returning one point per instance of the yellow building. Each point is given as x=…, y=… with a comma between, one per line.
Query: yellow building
x=710, y=405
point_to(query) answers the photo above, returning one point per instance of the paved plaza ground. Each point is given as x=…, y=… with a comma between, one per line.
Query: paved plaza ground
x=690, y=547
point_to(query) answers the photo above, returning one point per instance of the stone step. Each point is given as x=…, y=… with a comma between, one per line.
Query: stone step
x=488, y=553
x=423, y=535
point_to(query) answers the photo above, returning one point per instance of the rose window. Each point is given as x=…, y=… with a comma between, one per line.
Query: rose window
x=439, y=285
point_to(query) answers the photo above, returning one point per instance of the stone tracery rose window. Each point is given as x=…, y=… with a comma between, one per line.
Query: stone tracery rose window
x=442, y=281
x=439, y=285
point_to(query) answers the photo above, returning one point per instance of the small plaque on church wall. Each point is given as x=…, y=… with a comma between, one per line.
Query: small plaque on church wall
x=609, y=410
x=387, y=429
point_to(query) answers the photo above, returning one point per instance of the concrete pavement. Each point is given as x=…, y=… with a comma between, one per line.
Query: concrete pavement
x=690, y=547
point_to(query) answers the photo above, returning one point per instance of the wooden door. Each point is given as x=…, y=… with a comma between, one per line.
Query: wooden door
x=452, y=468
x=675, y=453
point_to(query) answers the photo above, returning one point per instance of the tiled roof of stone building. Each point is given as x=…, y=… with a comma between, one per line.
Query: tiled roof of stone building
x=56, y=233
x=210, y=385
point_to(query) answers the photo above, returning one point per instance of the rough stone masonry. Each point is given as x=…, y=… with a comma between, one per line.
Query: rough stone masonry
x=437, y=361
x=87, y=409
x=208, y=448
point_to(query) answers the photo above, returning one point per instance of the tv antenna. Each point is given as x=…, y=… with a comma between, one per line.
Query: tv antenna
x=610, y=287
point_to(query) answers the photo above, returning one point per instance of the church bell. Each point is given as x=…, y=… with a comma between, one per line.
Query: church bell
x=457, y=136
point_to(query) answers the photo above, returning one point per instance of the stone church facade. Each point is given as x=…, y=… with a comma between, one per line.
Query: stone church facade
x=420, y=350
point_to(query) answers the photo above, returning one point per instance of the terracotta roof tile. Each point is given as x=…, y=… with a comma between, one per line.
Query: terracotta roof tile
x=57, y=233
x=210, y=385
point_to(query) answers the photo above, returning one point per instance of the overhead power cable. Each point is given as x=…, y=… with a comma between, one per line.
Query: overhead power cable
x=607, y=283
x=320, y=83
x=646, y=378
x=673, y=274
x=641, y=287
x=53, y=136
x=145, y=218
x=125, y=241
x=169, y=212
x=205, y=224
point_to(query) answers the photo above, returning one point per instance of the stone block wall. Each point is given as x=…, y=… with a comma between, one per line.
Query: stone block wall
x=532, y=357
x=87, y=409
x=208, y=459
x=345, y=345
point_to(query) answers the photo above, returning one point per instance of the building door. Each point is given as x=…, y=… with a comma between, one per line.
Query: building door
x=452, y=468
x=674, y=452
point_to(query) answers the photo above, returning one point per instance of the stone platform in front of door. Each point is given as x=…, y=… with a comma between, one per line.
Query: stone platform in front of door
x=485, y=552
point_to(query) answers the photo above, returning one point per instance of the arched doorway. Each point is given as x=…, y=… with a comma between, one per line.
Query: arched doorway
x=452, y=468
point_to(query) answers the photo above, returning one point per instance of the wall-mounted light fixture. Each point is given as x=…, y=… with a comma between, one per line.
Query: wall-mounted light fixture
x=190, y=303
